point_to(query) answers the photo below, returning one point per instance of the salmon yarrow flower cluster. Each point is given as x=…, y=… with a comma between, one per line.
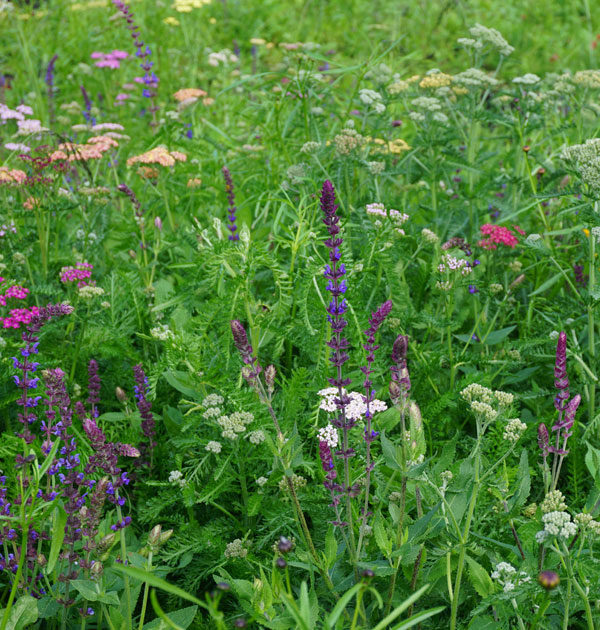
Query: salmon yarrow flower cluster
x=93, y=149
x=158, y=155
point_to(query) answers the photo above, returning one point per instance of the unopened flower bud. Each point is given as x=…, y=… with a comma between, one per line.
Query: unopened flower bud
x=120, y=394
x=97, y=569
x=158, y=223
x=543, y=439
x=41, y=560
x=165, y=536
x=223, y=586
x=106, y=542
x=367, y=573
x=285, y=545
x=281, y=563
x=526, y=148
x=83, y=512
x=154, y=535
x=240, y=623
x=270, y=374
x=516, y=282
x=549, y=579
x=400, y=348
x=395, y=392
x=132, y=254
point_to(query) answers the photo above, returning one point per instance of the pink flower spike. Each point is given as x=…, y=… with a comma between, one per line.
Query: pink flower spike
x=119, y=54
x=97, y=55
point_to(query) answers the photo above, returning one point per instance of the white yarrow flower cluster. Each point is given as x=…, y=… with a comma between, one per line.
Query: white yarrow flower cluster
x=161, y=332
x=585, y=159
x=429, y=235
x=234, y=424
x=214, y=447
x=236, y=549
x=527, y=79
x=493, y=37
x=329, y=434
x=89, y=292
x=556, y=524
x=513, y=430
x=474, y=78
x=213, y=400
x=373, y=99
x=257, y=437
x=223, y=57
x=506, y=575
x=355, y=409
x=176, y=478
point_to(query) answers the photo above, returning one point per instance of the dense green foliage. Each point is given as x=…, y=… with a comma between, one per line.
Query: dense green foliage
x=467, y=196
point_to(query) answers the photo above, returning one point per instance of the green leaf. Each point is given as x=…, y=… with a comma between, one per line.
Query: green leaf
x=153, y=580
x=254, y=503
x=331, y=547
x=520, y=496
x=592, y=461
x=384, y=623
x=546, y=285
x=479, y=578
x=23, y=613
x=182, y=382
x=340, y=606
x=49, y=459
x=182, y=617
x=47, y=607
x=389, y=452
x=59, y=517
x=496, y=336
x=87, y=589
x=418, y=618
x=381, y=537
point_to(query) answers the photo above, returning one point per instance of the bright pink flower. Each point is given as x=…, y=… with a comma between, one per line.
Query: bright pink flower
x=118, y=54
x=80, y=273
x=496, y=234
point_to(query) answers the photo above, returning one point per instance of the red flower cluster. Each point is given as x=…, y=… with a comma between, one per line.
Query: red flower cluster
x=496, y=234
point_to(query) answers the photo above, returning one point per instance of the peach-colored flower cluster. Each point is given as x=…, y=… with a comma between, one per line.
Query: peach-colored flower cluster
x=158, y=155
x=194, y=182
x=93, y=149
x=11, y=175
x=185, y=93
x=188, y=96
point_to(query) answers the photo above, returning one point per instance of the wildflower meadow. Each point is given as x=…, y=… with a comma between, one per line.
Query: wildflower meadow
x=298, y=314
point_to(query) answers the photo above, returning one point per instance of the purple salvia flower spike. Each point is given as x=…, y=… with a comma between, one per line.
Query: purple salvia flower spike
x=94, y=383
x=145, y=408
x=231, y=210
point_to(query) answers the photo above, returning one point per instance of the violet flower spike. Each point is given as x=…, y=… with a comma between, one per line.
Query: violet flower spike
x=376, y=320
x=145, y=408
x=231, y=226
x=339, y=345
x=50, y=85
x=94, y=383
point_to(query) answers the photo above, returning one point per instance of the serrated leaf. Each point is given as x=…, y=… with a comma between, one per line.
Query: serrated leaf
x=331, y=547
x=524, y=487
x=23, y=613
x=182, y=618
x=381, y=537
x=479, y=578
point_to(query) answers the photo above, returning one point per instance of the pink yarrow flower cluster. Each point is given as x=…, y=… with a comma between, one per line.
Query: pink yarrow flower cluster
x=16, y=316
x=497, y=234
x=109, y=60
x=79, y=273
